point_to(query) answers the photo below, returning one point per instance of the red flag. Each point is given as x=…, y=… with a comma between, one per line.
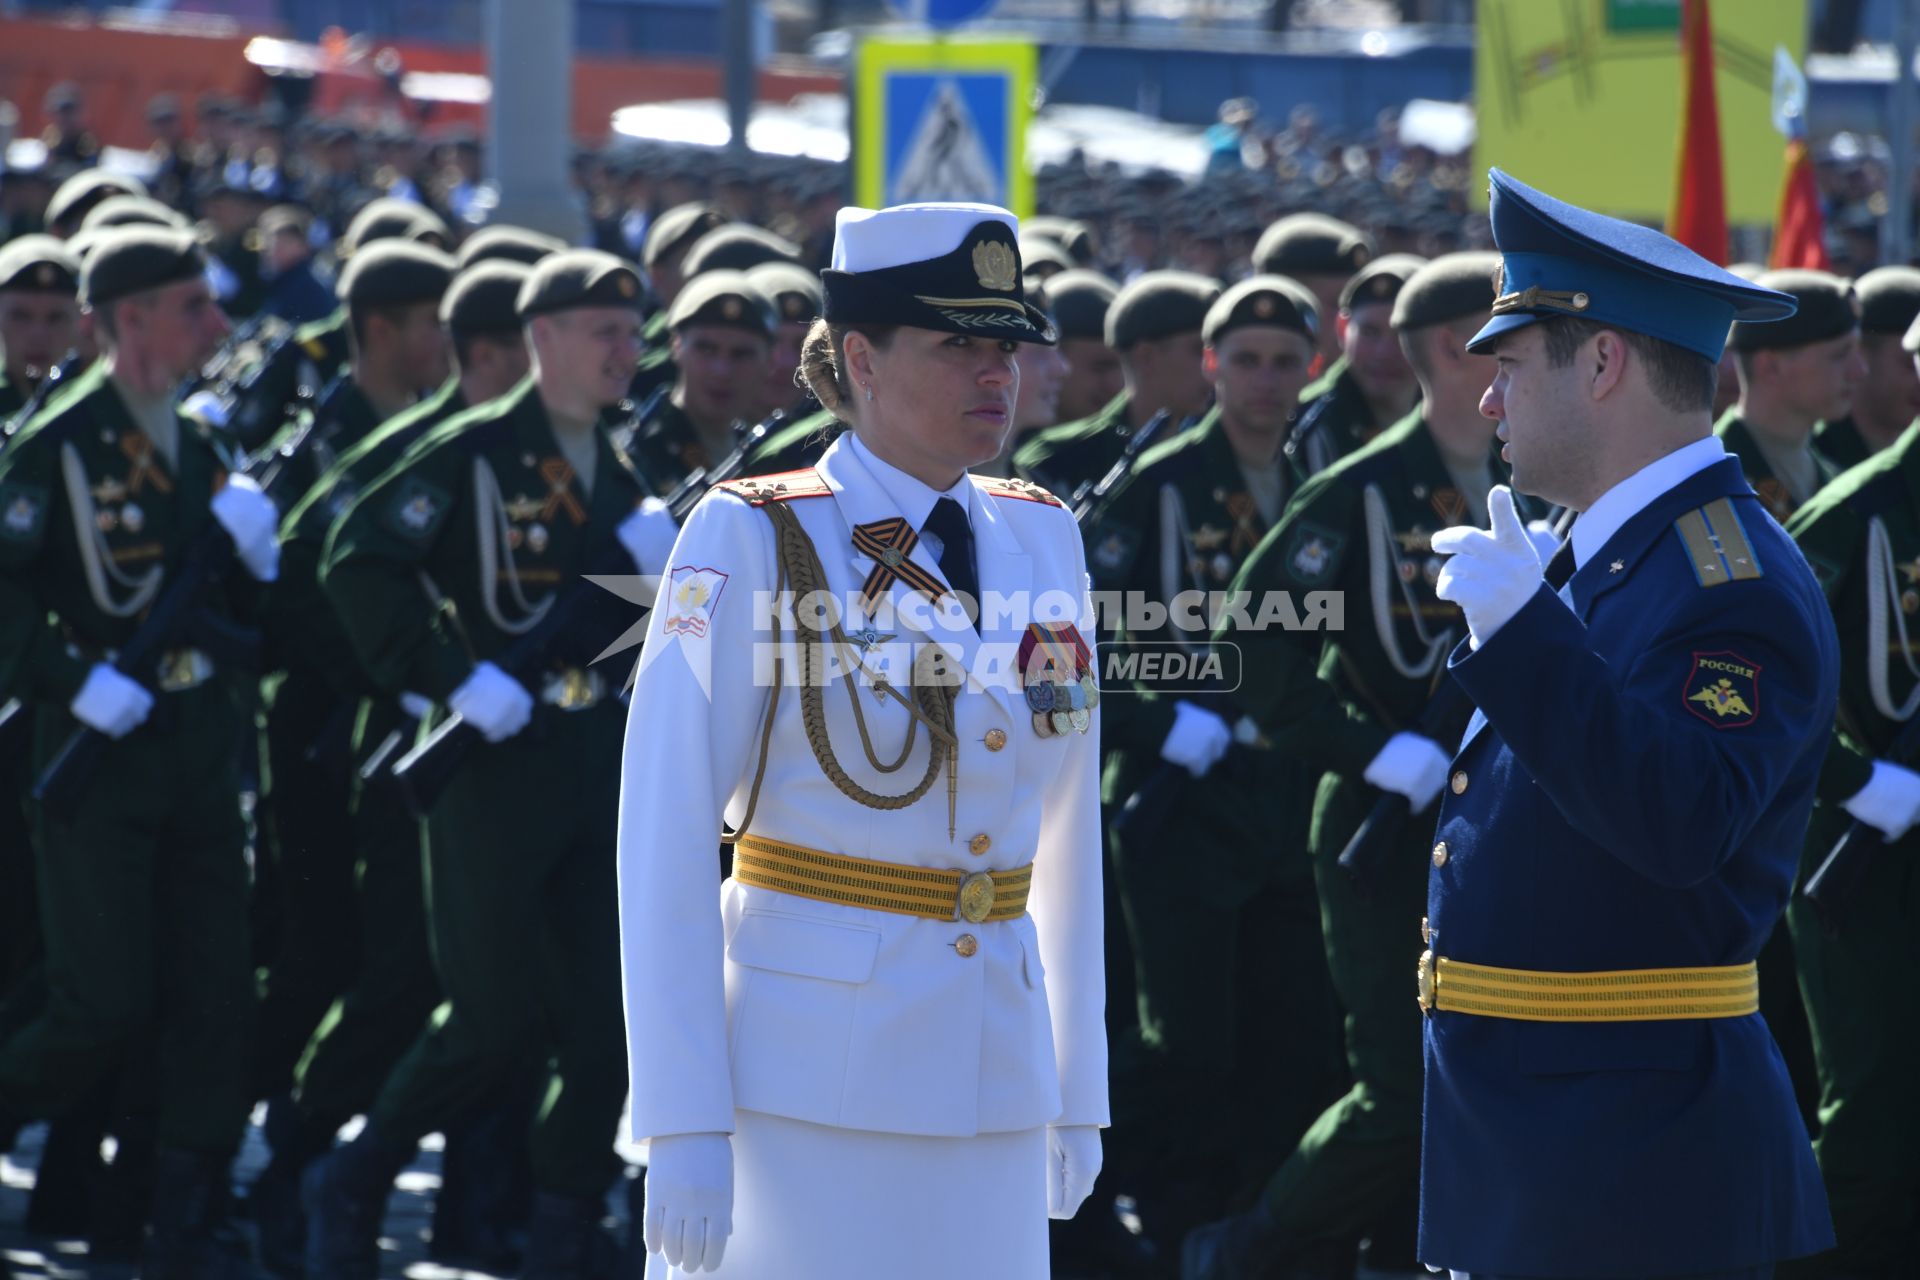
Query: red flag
x=1800, y=238
x=1699, y=216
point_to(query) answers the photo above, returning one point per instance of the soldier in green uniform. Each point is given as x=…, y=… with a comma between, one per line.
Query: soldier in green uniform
x=436, y=571
x=75, y=198
x=393, y=988
x=1889, y=394
x=1350, y=701
x=1227, y=960
x=795, y=294
x=1371, y=386
x=507, y=243
x=128, y=211
x=392, y=292
x=1154, y=323
x=143, y=882
x=1080, y=300
x=1861, y=534
x=721, y=331
x=668, y=240
x=39, y=315
x=1322, y=253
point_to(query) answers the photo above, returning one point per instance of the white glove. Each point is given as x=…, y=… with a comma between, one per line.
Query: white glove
x=493, y=702
x=416, y=706
x=648, y=535
x=1412, y=766
x=206, y=406
x=690, y=1199
x=1890, y=802
x=1197, y=740
x=110, y=702
x=1073, y=1162
x=250, y=517
x=1545, y=541
x=1489, y=574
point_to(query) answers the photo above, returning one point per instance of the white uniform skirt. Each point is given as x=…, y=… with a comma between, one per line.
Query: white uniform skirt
x=812, y=1202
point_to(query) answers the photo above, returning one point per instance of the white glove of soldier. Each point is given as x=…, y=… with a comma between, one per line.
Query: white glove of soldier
x=1197, y=740
x=690, y=1199
x=1489, y=574
x=250, y=517
x=110, y=702
x=1545, y=542
x=1412, y=766
x=1890, y=802
x=1073, y=1162
x=493, y=702
x=648, y=535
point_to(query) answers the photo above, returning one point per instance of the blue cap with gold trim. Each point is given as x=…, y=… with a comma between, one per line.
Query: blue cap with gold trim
x=1561, y=260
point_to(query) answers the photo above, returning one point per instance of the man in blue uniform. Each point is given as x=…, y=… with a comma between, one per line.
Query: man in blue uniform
x=1622, y=821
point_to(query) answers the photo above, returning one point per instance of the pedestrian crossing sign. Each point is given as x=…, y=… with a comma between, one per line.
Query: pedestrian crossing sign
x=943, y=119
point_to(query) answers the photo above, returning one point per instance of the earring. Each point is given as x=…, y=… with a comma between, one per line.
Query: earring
x=869, y=390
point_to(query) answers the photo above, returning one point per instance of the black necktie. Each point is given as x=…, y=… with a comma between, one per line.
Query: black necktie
x=949, y=524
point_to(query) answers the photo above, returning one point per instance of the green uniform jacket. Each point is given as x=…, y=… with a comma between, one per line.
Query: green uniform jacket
x=1737, y=436
x=1839, y=442
x=667, y=445
x=316, y=354
x=657, y=368
x=1333, y=420
x=796, y=445
x=13, y=397
x=487, y=508
x=1062, y=457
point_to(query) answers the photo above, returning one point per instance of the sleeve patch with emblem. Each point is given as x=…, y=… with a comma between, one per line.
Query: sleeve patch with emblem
x=1313, y=553
x=23, y=512
x=1112, y=550
x=1723, y=689
x=417, y=508
x=691, y=597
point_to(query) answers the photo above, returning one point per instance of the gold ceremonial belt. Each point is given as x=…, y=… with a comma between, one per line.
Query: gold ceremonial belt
x=1620, y=995
x=927, y=892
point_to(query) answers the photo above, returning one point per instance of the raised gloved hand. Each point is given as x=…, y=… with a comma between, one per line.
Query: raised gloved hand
x=493, y=702
x=1073, y=1162
x=1490, y=574
x=250, y=518
x=1197, y=740
x=648, y=535
x=1890, y=802
x=690, y=1199
x=1545, y=541
x=1412, y=766
x=110, y=702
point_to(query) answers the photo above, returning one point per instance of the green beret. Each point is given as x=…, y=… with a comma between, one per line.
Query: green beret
x=386, y=218
x=1450, y=287
x=1829, y=308
x=675, y=230
x=1889, y=299
x=1159, y=304
x=579, y=278
x=38, y=264
x=130, y=211
x=794, y=291
x=1079, y=300
x=130, y=260
x=1073, y=237
x=1038, y=251
x=506, y=243
x=737, y=246
x=722, y=298
x=485, y=297
x=74, y=198
x=1311, y=244
x=394, y=273
x=1379, y=281
x=1269, y=302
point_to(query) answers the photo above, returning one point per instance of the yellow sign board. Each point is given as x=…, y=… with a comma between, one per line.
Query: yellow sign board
x=1581, y=98
x=943, y=118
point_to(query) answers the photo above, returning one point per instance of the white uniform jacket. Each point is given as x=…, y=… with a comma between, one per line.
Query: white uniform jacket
x=739, y=996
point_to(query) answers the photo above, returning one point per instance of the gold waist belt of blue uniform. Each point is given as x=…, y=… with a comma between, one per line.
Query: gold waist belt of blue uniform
x=1619, y=995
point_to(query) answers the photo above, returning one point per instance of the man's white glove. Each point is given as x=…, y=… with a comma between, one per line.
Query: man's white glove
x=493, y=702
x=1073, y=1162
x=1545, y=541
x=1197, y=740
x=648, y=535
x=690, y=1199
x=1489, y=574
x=110, y=702
x=1890, y=802
x=250, y=518
x=1412, y=766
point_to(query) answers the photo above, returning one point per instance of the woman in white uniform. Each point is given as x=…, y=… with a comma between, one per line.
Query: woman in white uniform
x=877, y=1050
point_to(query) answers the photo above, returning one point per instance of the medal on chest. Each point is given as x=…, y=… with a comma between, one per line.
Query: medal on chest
x=1056, y=676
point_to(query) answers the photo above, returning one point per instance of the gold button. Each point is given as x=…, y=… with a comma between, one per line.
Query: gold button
x=1460, y=782
x=1426, y=931
x=979, y=844
x=996, y=739
x=1440, y=854
x=966, y=944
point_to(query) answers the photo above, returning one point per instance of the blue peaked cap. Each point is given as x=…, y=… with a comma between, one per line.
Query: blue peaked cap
x=1566, y=261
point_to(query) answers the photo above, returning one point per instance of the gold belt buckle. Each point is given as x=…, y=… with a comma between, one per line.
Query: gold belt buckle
x=975, y=901
x=178, y=671
x=1429, y=978
x=576, y=690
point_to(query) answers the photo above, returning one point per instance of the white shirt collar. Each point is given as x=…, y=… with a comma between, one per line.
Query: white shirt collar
x=1628, y=498
x=913, y=498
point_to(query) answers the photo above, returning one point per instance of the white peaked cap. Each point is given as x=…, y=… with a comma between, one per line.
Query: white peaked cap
x=874, y=239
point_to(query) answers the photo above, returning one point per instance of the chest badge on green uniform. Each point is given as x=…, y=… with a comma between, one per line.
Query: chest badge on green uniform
x=1312, y=553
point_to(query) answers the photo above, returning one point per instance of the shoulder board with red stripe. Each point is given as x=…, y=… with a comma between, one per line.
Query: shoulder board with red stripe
x=783, y=486
x=1025, y=490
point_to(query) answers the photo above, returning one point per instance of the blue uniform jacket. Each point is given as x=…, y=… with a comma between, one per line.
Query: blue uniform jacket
x=1623, y=809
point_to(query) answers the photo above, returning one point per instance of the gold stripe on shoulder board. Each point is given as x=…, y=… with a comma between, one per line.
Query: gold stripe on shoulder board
x=1717, y=545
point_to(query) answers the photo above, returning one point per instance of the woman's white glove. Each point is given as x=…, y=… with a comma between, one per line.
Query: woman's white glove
x=1490, y=574
x=690, y=1199
x=250, y=519
x=1073, y=1162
